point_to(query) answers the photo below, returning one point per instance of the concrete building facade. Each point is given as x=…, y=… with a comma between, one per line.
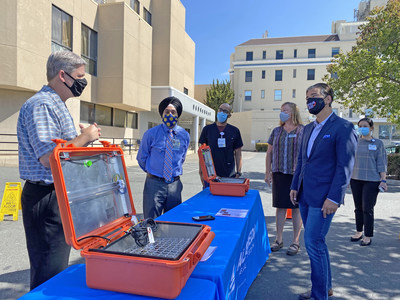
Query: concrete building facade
x=138, y=53
x=267, y=72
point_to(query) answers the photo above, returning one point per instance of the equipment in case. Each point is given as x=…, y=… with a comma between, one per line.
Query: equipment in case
x=149, y=258
x=222, y=186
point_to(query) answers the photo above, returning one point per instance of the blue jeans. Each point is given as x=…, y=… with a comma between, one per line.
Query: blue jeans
x=159, y=196
x=315, y=229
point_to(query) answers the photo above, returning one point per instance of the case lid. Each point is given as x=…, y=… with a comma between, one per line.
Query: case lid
x=93, y=190
x=206, y=163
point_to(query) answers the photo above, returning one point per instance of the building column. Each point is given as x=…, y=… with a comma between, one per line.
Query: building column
x=196, y=133
x=203, y=123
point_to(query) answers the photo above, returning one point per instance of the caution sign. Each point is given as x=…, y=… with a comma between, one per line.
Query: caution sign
x=11, y=202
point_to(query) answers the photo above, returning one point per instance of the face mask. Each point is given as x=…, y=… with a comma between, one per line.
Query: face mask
x=170, y=120
x=364, y=131
x=284, y=116
x=315, y=105
x=77, y=87
x=221, y=117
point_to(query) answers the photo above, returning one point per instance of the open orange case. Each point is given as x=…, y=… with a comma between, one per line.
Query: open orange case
x=98, y=216
x=222, y=186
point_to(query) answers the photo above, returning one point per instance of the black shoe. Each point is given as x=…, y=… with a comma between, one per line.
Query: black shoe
x=276, y=246
x=307, y=295
x=356, y=239
x=366, y=244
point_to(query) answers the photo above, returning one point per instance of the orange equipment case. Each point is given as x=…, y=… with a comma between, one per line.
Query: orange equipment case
x=222, y=186
x=98, y=216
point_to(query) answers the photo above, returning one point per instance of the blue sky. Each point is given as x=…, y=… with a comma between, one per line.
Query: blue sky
x=217, y=26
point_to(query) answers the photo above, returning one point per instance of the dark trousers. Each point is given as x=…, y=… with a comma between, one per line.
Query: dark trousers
x=364, y=195
x=47, y=249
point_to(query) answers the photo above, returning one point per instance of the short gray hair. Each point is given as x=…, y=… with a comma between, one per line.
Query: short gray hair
x=63, y=60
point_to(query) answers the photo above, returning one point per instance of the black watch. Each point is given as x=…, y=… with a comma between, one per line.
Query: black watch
x=238, y=173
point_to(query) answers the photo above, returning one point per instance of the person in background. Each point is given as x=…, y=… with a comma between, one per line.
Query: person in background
x=280, y=164
x=369, y=175
x=42, y=118
x=161, y=155
x=323, y=171
x=225, y=143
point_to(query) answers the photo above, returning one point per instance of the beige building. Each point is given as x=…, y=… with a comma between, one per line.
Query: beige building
x=138, y=53
x=267, y=72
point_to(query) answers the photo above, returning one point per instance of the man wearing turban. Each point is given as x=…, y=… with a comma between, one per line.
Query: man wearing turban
x=161, y=155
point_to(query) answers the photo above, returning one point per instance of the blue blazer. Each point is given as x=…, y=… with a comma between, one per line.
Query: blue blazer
x=327, y=172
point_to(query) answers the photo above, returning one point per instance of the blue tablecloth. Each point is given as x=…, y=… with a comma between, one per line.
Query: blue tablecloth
x=71, y=284
x=242, y=243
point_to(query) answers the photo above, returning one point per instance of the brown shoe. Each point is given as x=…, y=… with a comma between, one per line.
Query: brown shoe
x=293, y=249
x=276, y=246
x=307, y=295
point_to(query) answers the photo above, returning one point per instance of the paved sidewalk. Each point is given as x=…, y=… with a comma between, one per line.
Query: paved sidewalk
x=358, y=272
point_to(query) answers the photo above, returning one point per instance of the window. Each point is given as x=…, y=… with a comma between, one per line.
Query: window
x=119, y=117
x=131, y=120
x=185, y=91
x=311, y=53
x=147, y=16
x=278, y=75
x=87, y=112
x=279, y=54
x=61, y=30
x=103, y=115
x=136, y=6
x=249, y=76
x=247, y=95
x=350, y=113
x=334, y=75
x=295, y=53
x=89, y=49
x=335, y=51
x=263, y=74
x=294, y=93
x=264, y=56
x=262, y=94
x=278, y=95
x=294, y=73
x=249, y=55
x=310, y=74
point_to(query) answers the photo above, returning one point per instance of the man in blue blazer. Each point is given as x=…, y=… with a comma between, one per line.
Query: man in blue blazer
x=323, y=172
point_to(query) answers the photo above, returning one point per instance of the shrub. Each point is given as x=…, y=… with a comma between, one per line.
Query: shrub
x=393, y=168
x=261, y=147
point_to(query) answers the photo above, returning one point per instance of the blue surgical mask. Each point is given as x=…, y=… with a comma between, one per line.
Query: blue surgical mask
x=221, y=117
x=364, y=131
x=284, y=116
x=170, y=120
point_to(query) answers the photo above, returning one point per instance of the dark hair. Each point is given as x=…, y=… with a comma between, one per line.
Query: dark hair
x=368, y=120
x=324, y=89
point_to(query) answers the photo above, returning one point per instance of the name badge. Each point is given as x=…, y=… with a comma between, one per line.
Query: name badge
x=293, y=135
x=176, y=144
x=371, y=147
x=221, y=143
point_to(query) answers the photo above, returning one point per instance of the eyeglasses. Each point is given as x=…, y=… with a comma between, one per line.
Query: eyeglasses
x=224, y=110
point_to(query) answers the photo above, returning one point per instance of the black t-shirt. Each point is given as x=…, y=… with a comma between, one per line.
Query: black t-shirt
x=224, y=158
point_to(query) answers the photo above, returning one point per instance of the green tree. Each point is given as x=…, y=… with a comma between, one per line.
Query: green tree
x=218, y=93
x=369, y=75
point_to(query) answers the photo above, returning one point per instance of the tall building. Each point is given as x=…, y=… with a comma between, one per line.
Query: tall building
x=138, y=53
x=267, y=72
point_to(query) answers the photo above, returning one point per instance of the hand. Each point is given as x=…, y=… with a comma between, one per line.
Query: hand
x=293, y=197
x=268, y=178
x=91, y=133
x=383, y=185
x=328, y=208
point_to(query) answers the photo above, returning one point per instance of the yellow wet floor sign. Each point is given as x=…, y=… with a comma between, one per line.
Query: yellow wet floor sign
x=11, y=200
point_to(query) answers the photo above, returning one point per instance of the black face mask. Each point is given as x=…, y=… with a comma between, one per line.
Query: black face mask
x=315, y=105
x=77, y=87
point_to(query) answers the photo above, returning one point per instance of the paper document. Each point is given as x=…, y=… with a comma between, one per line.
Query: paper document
x=232, y=212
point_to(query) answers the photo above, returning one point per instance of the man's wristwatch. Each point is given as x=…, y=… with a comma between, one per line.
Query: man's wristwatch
x=239, y=173
x=383, y=180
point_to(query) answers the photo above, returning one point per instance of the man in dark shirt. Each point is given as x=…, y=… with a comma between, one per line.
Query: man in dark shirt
x=225, y=143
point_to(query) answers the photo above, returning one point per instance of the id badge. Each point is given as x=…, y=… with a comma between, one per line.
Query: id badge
x=221, y=143
x=176, y=144
x=293, y=135
x=372, y=147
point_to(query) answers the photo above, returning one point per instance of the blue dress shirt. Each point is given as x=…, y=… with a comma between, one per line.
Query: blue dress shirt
x=152, y=150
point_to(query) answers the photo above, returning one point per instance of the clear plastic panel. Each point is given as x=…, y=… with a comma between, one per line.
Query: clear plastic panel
x=96, y=190
x=208, y=162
